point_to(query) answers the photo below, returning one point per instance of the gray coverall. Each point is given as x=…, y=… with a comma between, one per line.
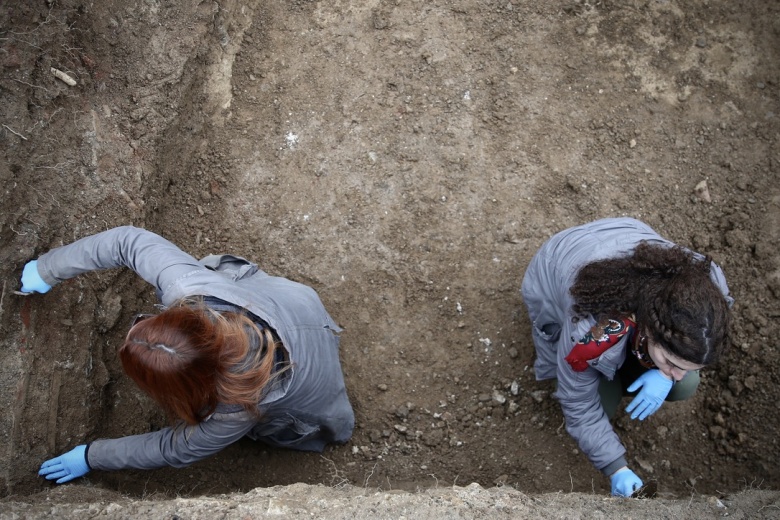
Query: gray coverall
x=306, y=409
x=545, y=290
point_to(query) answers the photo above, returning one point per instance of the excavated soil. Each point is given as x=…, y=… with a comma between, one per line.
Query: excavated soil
x=406, y=159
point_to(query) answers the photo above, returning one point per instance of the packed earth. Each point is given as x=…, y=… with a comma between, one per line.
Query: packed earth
x=406, y=159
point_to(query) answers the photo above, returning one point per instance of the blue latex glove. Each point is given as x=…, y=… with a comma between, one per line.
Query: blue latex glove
x=66, y=467
x=655, y=387
x=625, y=483
x=31, y=280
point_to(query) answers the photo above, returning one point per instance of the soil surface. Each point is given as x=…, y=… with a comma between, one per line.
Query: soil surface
x=405, y=159
x=304, y=501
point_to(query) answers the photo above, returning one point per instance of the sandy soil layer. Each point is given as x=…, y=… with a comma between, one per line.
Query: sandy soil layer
x=301, y=501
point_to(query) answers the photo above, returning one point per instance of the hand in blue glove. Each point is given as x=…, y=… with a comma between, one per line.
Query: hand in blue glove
x=655, y=387
x=31, y=280
x=625, y=482
x=66, y=467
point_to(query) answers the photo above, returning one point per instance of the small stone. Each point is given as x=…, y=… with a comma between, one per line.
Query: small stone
x=702, y=191
x=499, y=397
x=717, y=432
x=750, y=382
x=513, y=353
x=735, y=385
x=433, y=437
x=514, y=389
x=632, y=143
x=113, y=508
x=575, y=185
x=539, y=395
x=382, y=387
x=645, y=465
x=715, y=501
x=400, y=428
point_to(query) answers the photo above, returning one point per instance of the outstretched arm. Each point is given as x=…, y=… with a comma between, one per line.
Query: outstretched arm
x=586, y=420
x=588, y=424
x=176, y=446
x=154, y=258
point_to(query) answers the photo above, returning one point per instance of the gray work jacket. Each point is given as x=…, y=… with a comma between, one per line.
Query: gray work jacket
x=307, y=407
x=546, y=292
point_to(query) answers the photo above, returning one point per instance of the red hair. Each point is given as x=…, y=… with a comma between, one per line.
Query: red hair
x=189, y=358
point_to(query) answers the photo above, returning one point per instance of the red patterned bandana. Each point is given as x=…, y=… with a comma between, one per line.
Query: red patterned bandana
x=598, y=340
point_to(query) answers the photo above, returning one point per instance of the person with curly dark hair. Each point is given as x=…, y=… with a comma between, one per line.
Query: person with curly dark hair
x=615, y=310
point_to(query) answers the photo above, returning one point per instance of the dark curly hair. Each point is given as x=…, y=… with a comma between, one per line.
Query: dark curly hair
x=670, y=292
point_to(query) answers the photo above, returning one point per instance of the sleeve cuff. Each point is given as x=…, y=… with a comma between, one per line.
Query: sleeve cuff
x=615, y=465
x=45, y=273
x=86, y=456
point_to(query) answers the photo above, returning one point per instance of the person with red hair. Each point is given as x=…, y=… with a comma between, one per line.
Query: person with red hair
x=234, y=352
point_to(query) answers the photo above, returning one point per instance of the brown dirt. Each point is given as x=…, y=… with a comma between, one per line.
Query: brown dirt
x=406, y=159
